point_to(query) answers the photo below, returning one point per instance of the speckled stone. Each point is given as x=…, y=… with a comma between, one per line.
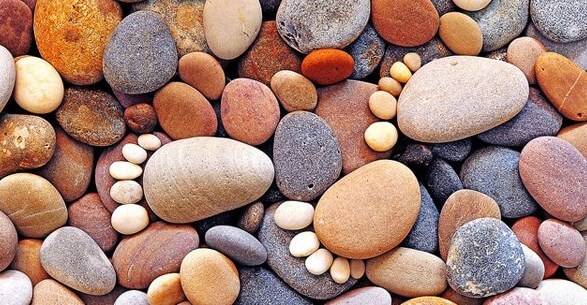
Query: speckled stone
x=140, y=118
x=15, y=288
x=141, y=55
x=575, y=51
x=499, y=54
x=537, y=118
x=517, y=296
x=132, y=297
x=562, y=243
x=562, y=292
x=534, y=270
x=424, y=234
x=442, y=180
x=367, y=51
x=306, y=155
x=51, y=292
x=579, y=273
x=485, y=259
x=7, y=76
x=526, y=229
x=494, y=171
x=444, y=6
x=16, y=22
x=261, y=286
x=237, y=244
x=301, y=25
x=455, y=151
x=433, y=49
x=560, y=21
x=415, y=154
x=252, y=216
x=371, y=295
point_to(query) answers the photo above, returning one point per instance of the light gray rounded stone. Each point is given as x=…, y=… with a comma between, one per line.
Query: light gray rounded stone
x=560, y=20
x=501, y=22
x=7, y=76
x=534, y=271
x=15, y=288
x=132, y=297
x=237, y=244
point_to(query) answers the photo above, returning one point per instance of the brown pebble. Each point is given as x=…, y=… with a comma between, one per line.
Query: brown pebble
x=576, y=135
x=252, y=217
x=460, y=33
x=526, y=230
x=16, y=22
x=328, y=66
x=89, y=215
x=140, y=118
x=203, y=72
x=28, y=260
x=294, y=91
x=51, y=292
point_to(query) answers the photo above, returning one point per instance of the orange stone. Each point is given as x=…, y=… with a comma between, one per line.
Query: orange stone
x=428, y=301
x=576, y=135
x=328, y=66
x=526, y=229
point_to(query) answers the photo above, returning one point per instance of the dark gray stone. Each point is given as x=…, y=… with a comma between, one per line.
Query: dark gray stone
x=424, y=234
x=367, y=51
x=417, y=155
x=433, y=49
x=237, y=244
x=442, y=180
x=444, y=6
x=141, y=56
x=269, y=6
x=494, y=171
x=226, y=218
x=306, y=155
x=560, y=20
x=455, y=151
x=261, y=286
x=575, y=51
x=484, y=259
x=501, y=22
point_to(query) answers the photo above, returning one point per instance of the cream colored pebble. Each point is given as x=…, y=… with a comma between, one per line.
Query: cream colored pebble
x=472, y=5
x=413, y=61
x=38, y=88
x=357, y=268
x=134, y=153
x=165, y=290
x=340, y=271
x=149, y=142
x=319, y=262
x=400, y=72
x=294, y=215
x=304, y=244
x=126, y=192
x=381, y=136
x=390, y=85
x=383, y=105
x=123, y=170
x=129, y=219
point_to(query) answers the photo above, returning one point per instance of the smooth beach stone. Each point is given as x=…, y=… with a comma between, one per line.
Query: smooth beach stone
x=132, y=297
x=208, y=277
x=575, y=51
x=383, y=105
x=537, y=118
x=576, y=134
x=8, y=241
x=183, y=112
x=400, y=72
x=579, y=273
x=460, y=33
x=26, y=142
x=381, y=136
x=107, y=299
x=429, y=51
x=428, y=301
x=560, y=21
x=371, y=295
x=252, y=216
x=367, y=52
x=150, y=142
x=517, y=296
x=70, y=168
x=534, y=270
x=345, y=107
x=501, y=21
x=306, y=155
x=165, y=290
x=140, y=118
x=405, y=23
x=327, y=66
x=15, y=288
x=555, y=174
x=304, y=244
x=89, y=214
x=417, y=155
x=294, y=91
x=442, y=180
x=562, y=292
x=51, y=292
x=464, y=102
x=203, y=72
x=70, y=256
x=38, y=88
x=261, y=286
x=16, y=21
x=472, y=5
x=184, y=19
x=408, y=272
x=526, y=230
x=424, y=234
x=217, y=175
x=319, y=262
x=495, y=172
x=134, y=153
x=141, y=55
x=562, y=243
x=522, y=52
x=340, y=270
x=294, y=215
x=129, y=219
x=484, y=259
x=91, y=116
x=455, y=151
x=357, y=268
x=268, y=55
x=7, y=76
x=460, y=208
x=368, y=212
x=32, y=203
x=444, y=6
x=28, y=260
x=237, y=244
x=126, y=192
x=230, y=27
x=123, y=170
x=301, y=23
x=564, y=83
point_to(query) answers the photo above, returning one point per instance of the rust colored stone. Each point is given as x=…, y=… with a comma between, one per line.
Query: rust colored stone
x=203, y=72
x=90, y=215
x=28, y=260
x=140, y=118
x=526, y=229
x=328, y=66
x=16, y=26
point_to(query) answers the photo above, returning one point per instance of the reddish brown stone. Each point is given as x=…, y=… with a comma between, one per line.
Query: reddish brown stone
x=8, y=241
x=16, y=26
x=31, y=4
x=140, y=118
x=526, y=229
x=203, y=72
x=28, y=260
x=562, y=243
x=328, y=66
x=90, y=215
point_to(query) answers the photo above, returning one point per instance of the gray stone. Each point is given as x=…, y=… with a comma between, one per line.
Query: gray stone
x=494, y=171
x=455, y=151
x=237, y=244
x=444, y=6
x=15, y=288
x=501, y=21
x=417, y=155
x=318, y=24
x=367, y=51
x=575, y=51
x=141, y=56
x=484, y=259
x=269, y=7
x=424, y=234
x=306, y=155
x=433, y=49
x=534, y=270
x=538, y=118
x=7, y=76
x=442, y=180
x=560, y=20
x=261, y=286
x=132, y=297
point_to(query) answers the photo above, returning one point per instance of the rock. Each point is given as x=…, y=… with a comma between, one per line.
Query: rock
x=239, y=245
x=304, y=244
x=424, y=234
x=141, y=55
x=367, y=52
x=383, y=105
x=576, y=134
x=366, y=295
x=140, y=118
x=70, y=256
x=89, y=215
x=251, y=218
x=428, y=301
x=455, y=151
x=27, y=142
x=319, y=262
x=575, y=51
x=579, y=273
x=405, y=23
x=417, y=155
x=564, y=83
x=230, y=27
x=129, y=219
x=561, y=21
x=562, y=243
x=8, y=241
x=165, y=290
x=472, y=5
x=294, y=91
x=442, y=180
x=208, y=277
x=444, y=6
x=132, y=297
x=261, y=286
x=126, y=192
x=203, y=72
x=327, y=66
x=400, y=72
x=554, y=172
x=123, y=170
x=461, y=34
x=294, y=215
x=340, y=270
x=522, y=53
x=17, y=24
x=32, y=203
x=134, y=153
x=562, y=292
x=50, y=292
x=433, y=49
x=380, y=222
x=15, y=288
x=183, y=112
x=381, y=136
x=345, y=107
x=517, y=296
x=8, y=75
x=534, y=270
x=485, y=259
x=34, y=94
x=464, y=102
x=28, y=260
x=107, y=299
x=408, y=272
x=526, y=229
x=494, y=171
x=501, y=21
x=214, y=168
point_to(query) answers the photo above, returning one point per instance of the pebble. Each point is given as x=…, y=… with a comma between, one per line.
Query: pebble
x=165, y=290
x=17, y=24
x=357, y=268
x=126, y=192
x=72, y=257
x=303, y=244
x=442, y=180
x=319, y=262
x=526, y=230
x=562, y=292
x=390, y=86
x=562, y=243
x=456, y=151
x=562, y=21
x=91, y=116
x=294, y=215
x=417, y=155
x=237, y=244
x=537, y=118
x=522, y=52
x=32, y=203
x=261, y=286
x=301, y=25
x=495, y=171
x=434, y=49
x=379, y=222
x=149, y=142
x=371, y=295
x=38, y=88
x=453, y=296
x=140, y=118
x=381, y=136
x=428, y=301
x=461, y=34
x=517, y=296
x=575, y=51
x=294, y=91
x=208, y=277
x=340, y=270
x=464, y=86
x=132, y=297
x=203, y=72
x=327, y=66
x=558, y=192
x=408, y=272
x=367, y=52
x=50, y=292
x=8, y=241
x=472, y=5
x=534, y=270
x=444, y=6
x=123, y=170
x=576, y=134
x=383, y=105
x=15, y=288
x=424, y=233
x=579, y=273
x=134, y=153
x=400, y=72
x=405, y=23
x=252, y=217
x=129, y=219
x=141, y=56
x=73, y=37
x=28, y=260
x=107, y=299
x=7, y=75
x=485, y=259
x=89, y=214
x=158, y=250
x=249, y=111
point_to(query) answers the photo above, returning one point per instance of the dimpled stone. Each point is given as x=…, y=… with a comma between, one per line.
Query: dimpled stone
x=560, y=21
x=424, y=234
x=140, y=118
x=367, y=52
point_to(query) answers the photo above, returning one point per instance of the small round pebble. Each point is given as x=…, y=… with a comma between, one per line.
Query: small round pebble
x=319, y=262
x=129, y=219
x=294, y=91
x=562, y=243
x=327, y=66
x=123, y=170
x=132, y=297
x=340, y=271
x=383, y=105
x=534, y=271
x=134, y=153
x=472, y=5
x=38, y=88
x=126, y=192
x=304, y=244
x=390, y=85
x=294, y=215
x=149, y=142
x=203, y=72
x=381, y=136
x=237, y=244
x=461, y=34
x=522, y=52
x=357, y=268
x=413, y=61
x=165, y=290
x=400, y=72
x=15, y=288
x=140, y=118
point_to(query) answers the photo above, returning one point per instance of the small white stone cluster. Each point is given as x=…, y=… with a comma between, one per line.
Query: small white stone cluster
x=297, y=215
x=130, y=218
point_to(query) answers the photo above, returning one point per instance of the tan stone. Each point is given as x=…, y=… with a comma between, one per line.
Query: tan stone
x=460, y=33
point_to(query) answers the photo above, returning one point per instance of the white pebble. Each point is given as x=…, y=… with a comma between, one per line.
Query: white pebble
x=340, y=271
x=123, y=170
x=304, y=244
x=129, y=219
x=126, y=192
x=319, y=262
x=149, y=142
x=134, y=153
x=294, y=215
x=357, y=268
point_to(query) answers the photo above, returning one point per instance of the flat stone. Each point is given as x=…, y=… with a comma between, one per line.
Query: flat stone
x=562, y=292
x=237, y=244
x=17, y=24
x=562, y=243
x=461, y=34
x=132, y=297
x=51, y=292
x=517, y=296
x=560, y=21
x=403, y=22
x=442, y=180
x=371, y=295
x=15, y=288
x=522, y=52
x=434, y=49
x=7, y=76
x=294, y=91
x=203, y=72
x=455, y=151
x=575, y=51
x=261, y=286
x=526, y=229
x=534, y=270
x=8, y=241
x=89, y=214
x=28, y=260
x=576, y=134
x=367, y=52
x=424, y=234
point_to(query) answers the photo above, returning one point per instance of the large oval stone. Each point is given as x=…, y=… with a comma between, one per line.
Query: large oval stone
x=51, y=292
x=89, y=214
x=456, y=97
x=562, y=292
x=192, y=179
x=370, y=211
